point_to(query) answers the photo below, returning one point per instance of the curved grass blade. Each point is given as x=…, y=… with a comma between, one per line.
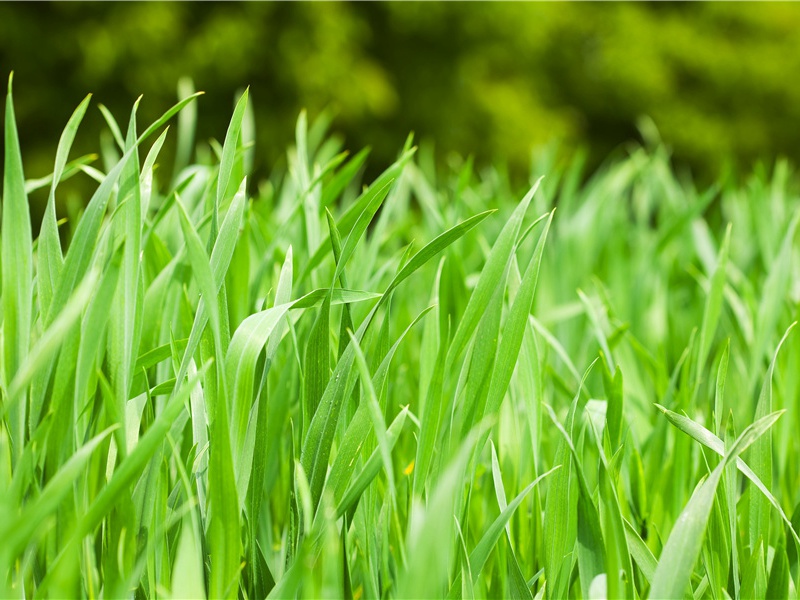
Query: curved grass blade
x=680, y=553
x=712, y=442
x=51, y=260
x=480, y=554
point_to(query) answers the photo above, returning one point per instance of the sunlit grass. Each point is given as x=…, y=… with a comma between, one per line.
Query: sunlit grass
x=419, y=386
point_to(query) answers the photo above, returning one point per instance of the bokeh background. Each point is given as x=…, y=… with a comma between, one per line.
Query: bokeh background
x=718, y=83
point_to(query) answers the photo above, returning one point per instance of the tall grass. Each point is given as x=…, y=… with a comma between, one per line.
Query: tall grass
x=420, y=387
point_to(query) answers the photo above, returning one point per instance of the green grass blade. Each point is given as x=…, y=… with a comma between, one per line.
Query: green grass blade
x=479, y=556
x=775, y=290
x=51, y=259
x=48, y=345
x=374, y=198
x=17, y=275
x=376, y=414
x=429, y=561
x=187, y=124
x=640, y=552
x=778, y=584
x=515, y=326
x=560, y=511
x=125, y=323
x=760, y=456
x=316, y=366
x=240, y=366
x=348, y=220
x=713, y=306
x=517, y=585
x=357, y=430
x=590, y=547
x=490, y=276
x=372, y=467
x=230, y=146
x=202, y=272
x=79, y=255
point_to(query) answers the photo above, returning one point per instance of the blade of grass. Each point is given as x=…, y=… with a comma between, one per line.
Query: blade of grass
x=51, y=260
x=761, y=456
x=17, y=272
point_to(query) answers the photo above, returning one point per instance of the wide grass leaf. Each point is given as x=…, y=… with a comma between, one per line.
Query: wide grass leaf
x=17, y=270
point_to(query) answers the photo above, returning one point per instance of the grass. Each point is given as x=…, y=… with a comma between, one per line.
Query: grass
x=425, y=386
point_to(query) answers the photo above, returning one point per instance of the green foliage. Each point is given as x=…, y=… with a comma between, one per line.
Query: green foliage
x=207, y=395
x=494, y=80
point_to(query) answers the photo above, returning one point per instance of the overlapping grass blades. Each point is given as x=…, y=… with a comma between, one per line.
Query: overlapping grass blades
x=321, y=386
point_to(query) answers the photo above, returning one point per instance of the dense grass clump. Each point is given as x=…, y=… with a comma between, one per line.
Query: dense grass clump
x=421, y=387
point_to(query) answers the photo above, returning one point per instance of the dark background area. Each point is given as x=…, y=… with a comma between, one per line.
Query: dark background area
x=494, y=80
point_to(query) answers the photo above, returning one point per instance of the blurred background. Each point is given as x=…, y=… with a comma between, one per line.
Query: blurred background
x=718, y=83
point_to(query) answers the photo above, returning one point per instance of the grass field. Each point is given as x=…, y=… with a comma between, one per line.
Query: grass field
x=419, y=386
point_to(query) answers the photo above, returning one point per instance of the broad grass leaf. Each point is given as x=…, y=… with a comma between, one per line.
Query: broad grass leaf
x=125, y=321
x=188, y=572
x=270, y=411
x=316, y=367
x=240, y=365
x=17, y=270
x=187, y=125
x=201, y=268
x=778, y=583
x=640, y=552
x=614, y=407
